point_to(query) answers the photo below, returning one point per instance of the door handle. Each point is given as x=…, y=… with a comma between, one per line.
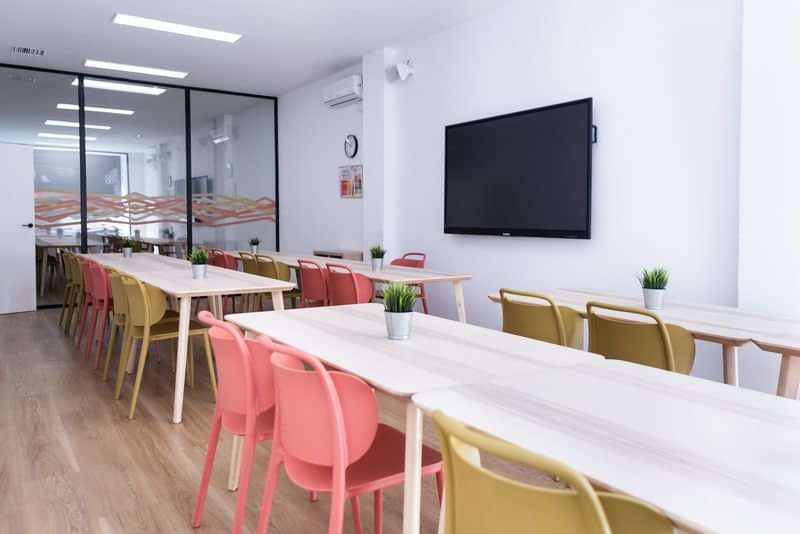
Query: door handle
x=29, y=225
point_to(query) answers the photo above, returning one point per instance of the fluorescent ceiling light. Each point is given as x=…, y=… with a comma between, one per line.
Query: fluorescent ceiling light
x=123, y=87
x=115, y=111
x=45, y=146
x=93, y=63
x=64, y=136
x=171, y=27
x=75, y=125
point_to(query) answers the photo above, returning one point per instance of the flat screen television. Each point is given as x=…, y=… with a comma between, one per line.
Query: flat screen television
x=523, y=174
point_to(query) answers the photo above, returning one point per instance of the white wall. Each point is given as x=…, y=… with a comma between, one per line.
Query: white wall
x=665, y=78
x=311, y=149
x=769, y=240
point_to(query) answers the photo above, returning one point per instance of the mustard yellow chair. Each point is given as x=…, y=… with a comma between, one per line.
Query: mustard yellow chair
x=547, y=322
x=653, y=343
x=478, y=501
x=147, y=322
x=271, y=268
x=249, y=263
x=72, y=290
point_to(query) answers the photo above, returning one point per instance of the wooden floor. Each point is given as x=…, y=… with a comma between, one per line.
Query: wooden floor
x=71, y=461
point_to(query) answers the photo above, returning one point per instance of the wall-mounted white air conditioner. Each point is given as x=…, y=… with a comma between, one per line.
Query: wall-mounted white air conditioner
x=342, y=92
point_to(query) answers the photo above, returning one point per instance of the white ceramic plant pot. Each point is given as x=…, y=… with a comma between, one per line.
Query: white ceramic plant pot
x=253, y=249
x=398, y=325
x=654, y=298
x=199, y=271
x=377, y=264
x=127, y=252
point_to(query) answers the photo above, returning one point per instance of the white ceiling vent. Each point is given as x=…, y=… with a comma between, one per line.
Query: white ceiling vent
x=27, y=51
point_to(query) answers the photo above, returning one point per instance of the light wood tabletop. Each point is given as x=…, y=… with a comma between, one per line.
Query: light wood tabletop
x=729, y=326
x=174, y=277
x=389, y=273
x=713, y=457
x=440, y=353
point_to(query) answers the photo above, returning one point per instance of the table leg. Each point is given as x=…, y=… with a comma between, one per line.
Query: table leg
x=183, y=348
x=213, y=308
x=458, y=290
x=236, y=460
x=730, y=364
x=277, y=300
x=789, y=377
x=412, y=493
x=42, y=272
x=132, y=358
x=220, y=306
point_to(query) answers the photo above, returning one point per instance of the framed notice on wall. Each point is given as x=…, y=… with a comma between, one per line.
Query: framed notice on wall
x=351, y=181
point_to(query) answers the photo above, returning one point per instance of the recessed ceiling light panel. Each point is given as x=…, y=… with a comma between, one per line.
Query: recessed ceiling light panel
x=113, y=111
x=63, y=136
x=70, y=124
x=151, y=71
x=123, y=87
x=171, y=27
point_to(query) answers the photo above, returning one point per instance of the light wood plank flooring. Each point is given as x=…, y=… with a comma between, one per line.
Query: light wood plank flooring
x=71, y=461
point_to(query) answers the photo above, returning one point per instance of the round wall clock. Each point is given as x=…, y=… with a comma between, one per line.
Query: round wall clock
x=350, y=146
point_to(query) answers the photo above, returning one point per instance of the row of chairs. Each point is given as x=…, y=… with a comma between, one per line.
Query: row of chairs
x=96, y=296
x=651, y=342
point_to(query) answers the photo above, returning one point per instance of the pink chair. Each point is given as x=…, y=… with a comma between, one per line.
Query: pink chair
x=245, y=405
x=328, y=438
x=86, y=301
x=347, y=287
x=417, y=261
x=101, y=306
x=313, y=284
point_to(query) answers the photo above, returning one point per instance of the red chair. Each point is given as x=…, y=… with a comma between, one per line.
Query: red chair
x=313, y=284
x=101, y=306
x=245, y=405
x=347, y=287
x=328, y=438
x=417, y=261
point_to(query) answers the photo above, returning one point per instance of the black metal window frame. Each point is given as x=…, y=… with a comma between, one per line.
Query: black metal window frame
x=187, y=90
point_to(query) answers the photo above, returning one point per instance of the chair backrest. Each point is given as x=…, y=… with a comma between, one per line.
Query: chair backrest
x=229, y=262
x=347, y=287
x=266, y=266
x=323, y=418
x=655, y=343
x=215, y=257
x=68, y=258
x=411, y=259
x=246, y=388
x=249, y=263
x=100, y=286
x=146, y=304
x=313, y=281
x=118, y=293
x=480, y=501
x=546, y=322
x=86, y=275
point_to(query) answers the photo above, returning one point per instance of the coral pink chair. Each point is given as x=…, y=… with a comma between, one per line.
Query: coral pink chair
x=245, y=405
x=347, y=287
x=328, y=439
x=101, y=306
x=86, y=300
x=313, y=284
x=417, y=261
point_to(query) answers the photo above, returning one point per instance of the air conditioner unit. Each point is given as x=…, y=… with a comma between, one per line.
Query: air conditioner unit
x=343, y=91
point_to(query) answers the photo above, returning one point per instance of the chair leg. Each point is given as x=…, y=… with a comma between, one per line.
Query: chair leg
x=71, y=311
x=84, y=313
x=336, y=519
x=273, y=470
x=124, y=356
x=67, y=291
x=79, y=309
x=139, y=374
x=377, y=496
x=440, y=485
x=101, y=335
x=245, y=470
x=213, y=440
x=92, y=330
x=112, y=337
x=212, y=374
x=356, y=506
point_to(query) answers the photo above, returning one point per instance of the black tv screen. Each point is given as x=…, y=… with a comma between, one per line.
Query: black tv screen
x=522, y=174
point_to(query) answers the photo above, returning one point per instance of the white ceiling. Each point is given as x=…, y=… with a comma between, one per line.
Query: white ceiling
x=285, y=43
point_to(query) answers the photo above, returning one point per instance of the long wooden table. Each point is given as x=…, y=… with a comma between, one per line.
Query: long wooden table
x=389, y=273
x=441, y=353
x=728, y=326
x=712, y=457
x=174, y=277
x=45, y=243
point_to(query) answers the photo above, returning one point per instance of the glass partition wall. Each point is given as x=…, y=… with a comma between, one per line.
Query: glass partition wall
x=132, y=178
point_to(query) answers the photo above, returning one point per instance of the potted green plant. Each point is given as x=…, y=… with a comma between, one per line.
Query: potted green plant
x=199, y=259
x=254, y=242
x=377, y=253
x=127, y=247
x=398, y=302
x=654, y=284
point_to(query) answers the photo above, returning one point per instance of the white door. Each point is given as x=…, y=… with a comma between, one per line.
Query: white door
x=17, y=240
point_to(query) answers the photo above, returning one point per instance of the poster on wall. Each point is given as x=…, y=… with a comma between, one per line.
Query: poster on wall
x=351, y=181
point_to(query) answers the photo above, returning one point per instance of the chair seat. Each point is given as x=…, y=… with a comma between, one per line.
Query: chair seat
x=265, y=424
x=167, y=328
x=382, y=466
